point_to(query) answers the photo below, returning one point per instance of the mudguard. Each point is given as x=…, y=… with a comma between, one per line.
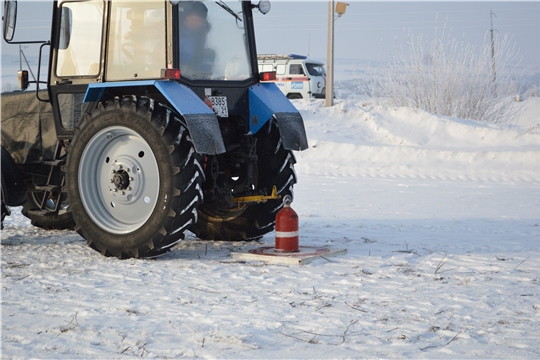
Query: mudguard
x=13, y=190
x=265, y=101
x=201, y=121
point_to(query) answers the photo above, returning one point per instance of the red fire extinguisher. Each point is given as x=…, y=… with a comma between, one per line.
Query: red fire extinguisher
x=287, y=228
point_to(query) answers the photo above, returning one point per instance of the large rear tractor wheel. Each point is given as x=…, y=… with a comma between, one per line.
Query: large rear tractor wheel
x=133, y=178
x=252, y=221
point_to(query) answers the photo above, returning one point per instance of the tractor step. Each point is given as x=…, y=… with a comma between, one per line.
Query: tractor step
x=49, y=188
x=57, y=162
x=41, y=213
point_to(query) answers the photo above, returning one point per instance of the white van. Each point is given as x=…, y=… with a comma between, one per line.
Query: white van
x=296, y=76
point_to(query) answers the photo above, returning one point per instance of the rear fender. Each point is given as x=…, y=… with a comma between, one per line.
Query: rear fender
x=201, y=121
x=265, y=101
x=13, y=189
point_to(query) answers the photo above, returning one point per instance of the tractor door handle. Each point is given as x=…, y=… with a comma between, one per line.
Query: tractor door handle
x=64, y=82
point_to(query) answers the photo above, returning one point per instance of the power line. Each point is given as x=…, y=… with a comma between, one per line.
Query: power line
x=439, y=11
x=352, y=12
x=304, y=28
x=344, y=23
x=435, y=21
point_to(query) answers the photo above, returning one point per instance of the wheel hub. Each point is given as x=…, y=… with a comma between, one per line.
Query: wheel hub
x=126, y=180
x=120, y=179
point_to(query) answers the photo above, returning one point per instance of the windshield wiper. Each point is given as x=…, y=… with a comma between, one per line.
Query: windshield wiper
x=228, y=9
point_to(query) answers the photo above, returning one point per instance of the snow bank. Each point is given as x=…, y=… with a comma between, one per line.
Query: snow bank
x=355, y=138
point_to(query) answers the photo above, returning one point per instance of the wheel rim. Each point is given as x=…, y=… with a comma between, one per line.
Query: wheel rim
x=118, y=180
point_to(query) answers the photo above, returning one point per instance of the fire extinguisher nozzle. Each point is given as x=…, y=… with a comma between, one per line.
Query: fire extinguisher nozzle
x=287, y=200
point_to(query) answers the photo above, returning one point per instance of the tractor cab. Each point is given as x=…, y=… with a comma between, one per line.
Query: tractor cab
x=104, y=41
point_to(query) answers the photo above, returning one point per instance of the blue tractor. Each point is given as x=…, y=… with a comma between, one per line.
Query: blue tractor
x=154, y=122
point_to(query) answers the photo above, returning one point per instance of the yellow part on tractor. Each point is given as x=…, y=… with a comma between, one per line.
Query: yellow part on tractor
x=257, y=198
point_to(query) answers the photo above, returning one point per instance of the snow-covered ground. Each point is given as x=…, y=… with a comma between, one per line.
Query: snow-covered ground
x=440, y=218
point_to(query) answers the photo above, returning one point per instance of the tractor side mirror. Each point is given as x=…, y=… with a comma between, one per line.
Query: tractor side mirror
x=263, y=6
x=9, y=19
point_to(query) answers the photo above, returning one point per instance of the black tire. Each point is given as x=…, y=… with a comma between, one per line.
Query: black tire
x=47, y=221
x=5, y=210
x=275, y=168
x=133, y=178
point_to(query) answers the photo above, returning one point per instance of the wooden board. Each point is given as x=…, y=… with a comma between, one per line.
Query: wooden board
x=306, y=255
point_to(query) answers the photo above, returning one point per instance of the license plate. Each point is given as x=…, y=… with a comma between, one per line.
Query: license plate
x=219, y=103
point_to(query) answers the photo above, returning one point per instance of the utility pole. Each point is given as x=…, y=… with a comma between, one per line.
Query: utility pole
x=340, y=9
x=493, y=55
x=330, y=57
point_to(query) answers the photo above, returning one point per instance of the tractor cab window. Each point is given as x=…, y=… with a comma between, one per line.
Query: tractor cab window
x=136, y=47
x=213, y=43
x=79, y=45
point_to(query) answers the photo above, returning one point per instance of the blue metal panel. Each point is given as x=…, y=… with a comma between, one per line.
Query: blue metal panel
x=95, y=91
x=265, y=100
x=182, y=98
x=201, y=121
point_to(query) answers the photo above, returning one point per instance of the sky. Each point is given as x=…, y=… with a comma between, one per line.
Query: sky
x=368, y=30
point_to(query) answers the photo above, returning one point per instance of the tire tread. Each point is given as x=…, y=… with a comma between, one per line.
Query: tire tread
x=168, y=125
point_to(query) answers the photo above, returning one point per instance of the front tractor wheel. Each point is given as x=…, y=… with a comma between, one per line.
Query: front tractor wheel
x=133, y=178
x=47, y=218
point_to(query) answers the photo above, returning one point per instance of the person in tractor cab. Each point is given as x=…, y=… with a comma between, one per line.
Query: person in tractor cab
x=196, y=61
